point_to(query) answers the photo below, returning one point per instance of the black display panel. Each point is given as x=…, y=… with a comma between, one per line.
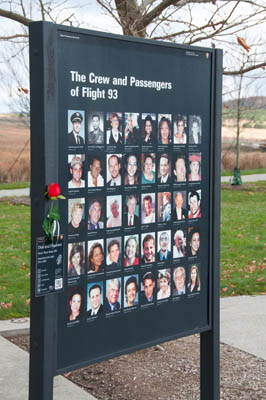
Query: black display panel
x=142, y=116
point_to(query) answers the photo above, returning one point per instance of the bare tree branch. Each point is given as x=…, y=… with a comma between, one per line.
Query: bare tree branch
x=15, y=17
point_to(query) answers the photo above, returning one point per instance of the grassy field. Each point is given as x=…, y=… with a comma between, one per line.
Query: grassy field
x=243, y=245
x=14, y=260
x=243, y=241
x=14, y=185
x=255, y=118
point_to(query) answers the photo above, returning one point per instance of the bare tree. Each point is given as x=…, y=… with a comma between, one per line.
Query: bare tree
x=205, y=22
x=217, y=23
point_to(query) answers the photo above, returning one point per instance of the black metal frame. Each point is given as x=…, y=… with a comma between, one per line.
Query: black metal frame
x=44, y=102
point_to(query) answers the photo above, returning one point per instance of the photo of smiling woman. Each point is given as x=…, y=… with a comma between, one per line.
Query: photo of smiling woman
x=194, y=279
x=75, y=300
x=148, y=134
x=131, y=170
x=95, y=256
x=194, y=241
x=148, y=168
x=164, y=131
x=76, y=259
x=131, y=256
x=131, y=291
x=164, y=283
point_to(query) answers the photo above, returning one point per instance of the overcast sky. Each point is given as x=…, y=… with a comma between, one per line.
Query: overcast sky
x=91, y=15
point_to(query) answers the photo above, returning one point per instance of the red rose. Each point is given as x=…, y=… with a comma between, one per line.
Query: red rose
x=53, y=190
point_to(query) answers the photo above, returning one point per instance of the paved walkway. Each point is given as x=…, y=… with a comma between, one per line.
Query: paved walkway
x=243, y=325
x=245, y=178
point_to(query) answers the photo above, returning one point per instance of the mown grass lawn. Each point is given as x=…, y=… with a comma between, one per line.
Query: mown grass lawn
x=243, y=248
x=243, y=240
x=14, y=260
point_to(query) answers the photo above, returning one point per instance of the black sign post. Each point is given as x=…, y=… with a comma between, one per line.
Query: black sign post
x=130, y=130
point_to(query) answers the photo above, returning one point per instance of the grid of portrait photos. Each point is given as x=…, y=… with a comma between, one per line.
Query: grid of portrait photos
x=134, y=211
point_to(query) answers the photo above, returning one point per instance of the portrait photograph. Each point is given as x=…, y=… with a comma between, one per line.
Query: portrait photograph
x=148, y=208
x=114, y=252
x=164, y=129
x=194, y=204
x=163, y=284
x=179, y=205
x=95, y=256
x=113, y=211
x=179, y=245
x=148, y=248
x=179, y=281
x=113, y=295
x=95, y=212
x=131, y=291
x=76, y=121
x=148, y=166
x=131, y=250
x=76, y=216
x=193, y=285
x=164, y=209
x=75, y=304
x=95, y=128
x=193, y=241
x=148, y=288
x=179, y=168
x=194, y=167
x=113, y=169
x=114, y=134
x=195, y=129
x=132, y=210
x=164, y=243
x=132, y=129
x=76, y=176
x=76, y=259
x=180, y=129
x=96, y=170
x=131, y=169
x=164, y=168
x=94, y=299
x=149, y=130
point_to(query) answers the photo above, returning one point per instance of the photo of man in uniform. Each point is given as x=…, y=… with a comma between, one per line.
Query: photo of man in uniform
x=76, y=167
x=95, y=136
x=74, y=137
x=95, y=300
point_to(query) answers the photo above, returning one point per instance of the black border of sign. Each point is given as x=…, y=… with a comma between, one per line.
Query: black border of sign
x=44, y=102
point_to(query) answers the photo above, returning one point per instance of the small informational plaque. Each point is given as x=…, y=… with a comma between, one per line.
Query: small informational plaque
x=49, y=267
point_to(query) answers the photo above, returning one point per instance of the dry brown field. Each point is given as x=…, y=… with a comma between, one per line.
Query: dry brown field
x=15, y=148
